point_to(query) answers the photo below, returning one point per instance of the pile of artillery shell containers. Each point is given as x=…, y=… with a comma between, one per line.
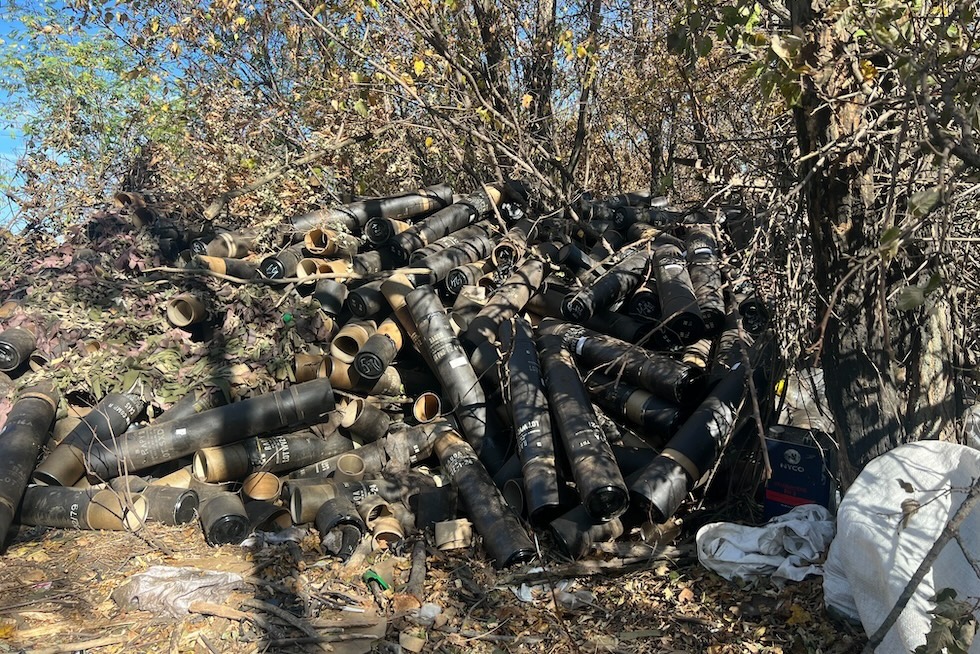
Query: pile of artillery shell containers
x=489, y=371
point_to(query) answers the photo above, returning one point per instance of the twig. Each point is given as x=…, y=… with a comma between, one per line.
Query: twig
x=949, y=531
x=285, y=616
x=416, y=577
x=593, y=568
x=76, y=647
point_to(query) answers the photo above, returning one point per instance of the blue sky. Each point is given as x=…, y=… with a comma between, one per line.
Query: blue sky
x=10, y=143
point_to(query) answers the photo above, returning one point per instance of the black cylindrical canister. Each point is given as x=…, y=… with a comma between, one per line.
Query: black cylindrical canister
x=443, y=222
x=223, y=266
x=597, y=477
x=531, y=418
x=283, y=264
x=331, y=295
x=440, y=263
x=354, y=216
x=81, y=508
x=378, y=231
x=512, y=246
x=223, y=519
x=576, y=532
x=507, y=301
x=614, y=286
x=456, y=376
x=165, y=504
x=755, y=315
x=16, y=345
x=364, y=421
x=704, y=267
x=644, y=303
x=371, y=263
x=367, y=301
x=584, y=267
x=609, y=243
x=271, y=454
x=660, y=488
x=465, y=275
x=21, y=439
x=659, y=418
x=657, y=372
x=504, y=537
x=231, y=245
x=98, y=431
x=195, y=402
x=340, y=526
x=306, y=403
x=379, y=351
x=681, y=315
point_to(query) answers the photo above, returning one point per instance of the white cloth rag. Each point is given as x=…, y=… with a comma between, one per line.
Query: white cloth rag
x=788, y=547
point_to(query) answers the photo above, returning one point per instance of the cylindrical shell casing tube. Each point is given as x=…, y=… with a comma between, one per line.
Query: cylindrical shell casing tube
x=364, y=421
x=230, y=245
x=576, y=532
x=345, y=377
x=21, y=439
x=660, y=488
x=478, y=231
x=75, y=508
x=307, y=365
x=283, y=264
x=373, y=455
x=195, y=402
x=504, y=537
x=356, y=214
x=309, y=267
x=350, y=467
x=373, y=508
x=597, y=477
x=379, y=231
x=427, y=407
x=704, y=268
x=608, y=244
x=185, y=309
x=223, y=266
x=367, y=301
x=262, y=486
x=395, y=289
x=658, y=373
x=459, y=382
x=679, y=308
x=755, y=315
x=445, y=221
x=369, y=263
x=727, y=351
x=350, y=339
x=306, y=403
x=514, y=243
x=104, y=425
x=266, y=516
x=271, y=454
x=615, y=285
x=465, y=275
x=387, y=531
x=16, y=345
x=440, y=263
x=659, y=418
x=531, y=418
x=223, y=519
x=170, y=506
x=698, y=353
x=507, y=301
x=380, y=350
x=331, y=295
x=581, y=264
x=306, y=499
x=322, y=241
x=644, y=304
x=333, y=516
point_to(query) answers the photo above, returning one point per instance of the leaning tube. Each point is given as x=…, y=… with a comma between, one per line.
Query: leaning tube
x=660, y=488
x=301, y=404
x=508, y=300
x=614, y=286
x=380, y=350
x=597, y=477
x=530, y=415
x=354, y=216
x=704, y=267
x=21, y=439
x=103, y=426
x=365, y=422
x=681, y=315
x=443, y=222
x=659, y=419
x=456, y=376
x=504, y=537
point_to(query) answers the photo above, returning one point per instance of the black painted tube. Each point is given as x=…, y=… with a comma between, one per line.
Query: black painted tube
x=511, y=248
x=355, y=215
x=530, y=415
x=21, y=439
x=223, y=266
x=195, y=402
x=380, y=350
x=477, y=230
x=365, y=422
x=267, y=516
x=465, y=275
x=378, y=231
x=597, y=477
x=224, y=519
x=367, y=301
x=656, y=372
x=105, y=424
x=755, y=315
x=704, y=267
x=507, y=301
x=453, y=218
x=81, y=508
x=333, y=516
x=459, y=382
x=660, y=488
x=624, y=217
x=306, y=403
x=16, y=345
x=283, y=264
x=271, y=454
x=659, y=419
x=504, y=537
x=576, y=532
x=331, y=295
x=370, y=263
x=609, y=244
x=727, y=351
x=584, y=267
x=644, y=304
x=440, y=263
x=681, y=315
x=231, y=245
x=401, y=448
x=615, y=285
x=164, y=504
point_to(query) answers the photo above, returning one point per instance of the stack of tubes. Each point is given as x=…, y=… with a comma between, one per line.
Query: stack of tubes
x=578, y=383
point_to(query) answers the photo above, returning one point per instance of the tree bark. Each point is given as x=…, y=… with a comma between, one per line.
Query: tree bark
x=888, y=372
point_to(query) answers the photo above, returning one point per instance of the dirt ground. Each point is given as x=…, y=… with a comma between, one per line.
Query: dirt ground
x=56, y=596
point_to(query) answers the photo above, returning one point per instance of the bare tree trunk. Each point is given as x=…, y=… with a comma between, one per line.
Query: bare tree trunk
x=492, y=29
x=541, y=78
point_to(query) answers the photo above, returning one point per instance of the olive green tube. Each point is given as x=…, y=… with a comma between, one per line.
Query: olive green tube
x=16, y=345
x=21, y=439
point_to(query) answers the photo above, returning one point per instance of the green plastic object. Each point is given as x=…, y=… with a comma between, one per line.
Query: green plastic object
x=371, y=575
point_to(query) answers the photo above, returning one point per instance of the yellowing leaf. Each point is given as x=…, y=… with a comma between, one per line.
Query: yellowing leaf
x=7, y=630
x=798, y=615
x=419, y=67
x=526, y=100
x=428, y=141
x=361, y=108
